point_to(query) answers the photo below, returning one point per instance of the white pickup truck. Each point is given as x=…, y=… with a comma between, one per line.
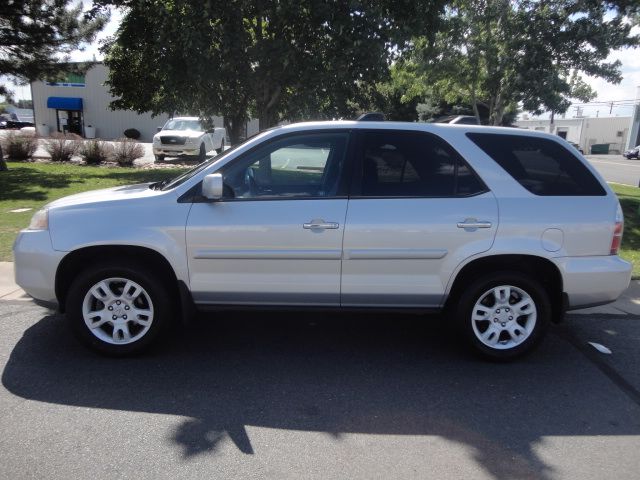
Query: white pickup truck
x=186, y=136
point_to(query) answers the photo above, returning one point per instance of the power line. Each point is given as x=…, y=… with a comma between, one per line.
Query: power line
x=600, y=103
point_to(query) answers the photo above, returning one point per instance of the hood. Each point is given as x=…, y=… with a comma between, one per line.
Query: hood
x=126, y=192
x=180, y=133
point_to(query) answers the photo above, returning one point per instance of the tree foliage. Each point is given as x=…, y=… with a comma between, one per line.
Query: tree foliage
x=37, y=35
x=498, y=54
x=279, y=59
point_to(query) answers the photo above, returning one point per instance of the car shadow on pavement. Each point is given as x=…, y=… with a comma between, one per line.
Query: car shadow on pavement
x=333, y=373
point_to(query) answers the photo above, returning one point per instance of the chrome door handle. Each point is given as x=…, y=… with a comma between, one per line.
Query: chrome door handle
x=473, y=223
x=320, y=224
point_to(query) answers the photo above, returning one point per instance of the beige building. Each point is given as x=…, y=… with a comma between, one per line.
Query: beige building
x=586, y=131
x=80, y=104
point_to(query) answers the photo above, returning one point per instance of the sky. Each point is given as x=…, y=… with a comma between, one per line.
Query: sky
x=625, y=90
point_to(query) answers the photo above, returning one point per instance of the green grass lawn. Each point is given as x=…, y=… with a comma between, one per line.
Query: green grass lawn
x=630, y=202
x=32, y=185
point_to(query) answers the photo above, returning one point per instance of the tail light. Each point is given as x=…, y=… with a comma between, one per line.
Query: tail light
x=617, y=232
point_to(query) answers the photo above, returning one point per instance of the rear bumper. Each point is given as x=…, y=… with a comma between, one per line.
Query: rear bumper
x=589, y=281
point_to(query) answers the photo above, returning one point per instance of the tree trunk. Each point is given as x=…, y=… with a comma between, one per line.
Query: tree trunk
x=3, y=164
x=267, y=106
x=234, y=126
x=497, y=113
x=266, y=118
x=476, y=112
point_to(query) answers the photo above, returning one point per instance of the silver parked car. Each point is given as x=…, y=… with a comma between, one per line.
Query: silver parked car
x=504, y=230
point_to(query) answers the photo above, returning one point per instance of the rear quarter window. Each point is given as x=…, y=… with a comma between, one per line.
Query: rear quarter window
x=540, y=165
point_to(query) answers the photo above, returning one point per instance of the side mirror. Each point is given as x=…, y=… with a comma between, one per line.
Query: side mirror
x=212, y=186
x=158, y=129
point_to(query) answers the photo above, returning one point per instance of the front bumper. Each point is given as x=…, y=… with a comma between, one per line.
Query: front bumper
x=176, y=150
x=36, y=263
x=589, y=281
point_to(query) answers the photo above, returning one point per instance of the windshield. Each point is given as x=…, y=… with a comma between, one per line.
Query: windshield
x=181, y=124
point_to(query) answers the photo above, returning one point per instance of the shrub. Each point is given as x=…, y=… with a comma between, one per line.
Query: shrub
x=20, y=146
x=62, y=147
x=126, y=151
x=95, y=151
x=132, y=133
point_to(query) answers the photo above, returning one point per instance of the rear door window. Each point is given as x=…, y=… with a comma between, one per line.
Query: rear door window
x=540, y=165
x=413, y=164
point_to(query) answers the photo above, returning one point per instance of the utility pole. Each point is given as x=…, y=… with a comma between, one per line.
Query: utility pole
x=634, y=126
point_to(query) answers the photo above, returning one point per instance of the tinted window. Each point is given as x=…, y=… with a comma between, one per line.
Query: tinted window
x=413, y=164
x=540, y=165
x=296, y=166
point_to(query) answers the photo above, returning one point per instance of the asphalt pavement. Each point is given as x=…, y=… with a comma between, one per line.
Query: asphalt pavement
x=318, y=396
x=616, y=168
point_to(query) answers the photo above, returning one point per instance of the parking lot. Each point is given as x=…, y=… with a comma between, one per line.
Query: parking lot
x=616, y=168
x=318, y=395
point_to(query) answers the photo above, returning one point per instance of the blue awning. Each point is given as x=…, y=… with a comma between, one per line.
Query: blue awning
x=64, y=103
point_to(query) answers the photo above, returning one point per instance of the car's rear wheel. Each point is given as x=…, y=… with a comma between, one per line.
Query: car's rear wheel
x=504, y=315
x=118, y=309
x=221, y=149
x=159, y=158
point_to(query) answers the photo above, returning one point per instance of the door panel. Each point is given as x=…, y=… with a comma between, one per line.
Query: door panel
x=276, y=237
x=260, y=253
x=402, y=251
x=417, y=211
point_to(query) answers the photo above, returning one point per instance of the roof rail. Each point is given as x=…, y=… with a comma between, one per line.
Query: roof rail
x=371, y=117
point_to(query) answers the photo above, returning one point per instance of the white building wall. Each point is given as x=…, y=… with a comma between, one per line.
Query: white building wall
x=611, y=130
x=572, y=127
x=109, y=124
x=586, y=131
x=252, y=127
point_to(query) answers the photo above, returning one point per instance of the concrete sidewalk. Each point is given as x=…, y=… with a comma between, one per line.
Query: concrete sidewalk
x=8, y=289
x=627, y=304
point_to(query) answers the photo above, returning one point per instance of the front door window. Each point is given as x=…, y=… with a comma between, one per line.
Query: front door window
x=306, y=166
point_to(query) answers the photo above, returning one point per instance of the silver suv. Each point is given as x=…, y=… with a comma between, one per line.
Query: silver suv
x=503, y=229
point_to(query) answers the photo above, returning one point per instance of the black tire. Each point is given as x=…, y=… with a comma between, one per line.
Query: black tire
x=157, y=296
x=203, y=153
x=221, y=149
x=159, y=158
x=479, y=290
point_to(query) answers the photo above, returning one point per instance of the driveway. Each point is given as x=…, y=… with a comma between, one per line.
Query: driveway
x=318, y=396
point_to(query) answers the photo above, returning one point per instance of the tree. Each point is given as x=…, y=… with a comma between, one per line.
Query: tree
x=36, y=36
x=499, y=53
x=23, y=103
x=279, y=59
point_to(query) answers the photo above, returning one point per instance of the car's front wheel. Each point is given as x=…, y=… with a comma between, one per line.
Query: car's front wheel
x=159, y=158
x=221, y=149
x=504, y=315
x=118, y=309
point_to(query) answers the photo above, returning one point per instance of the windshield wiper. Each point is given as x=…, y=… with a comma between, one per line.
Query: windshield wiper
x=158, y=185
